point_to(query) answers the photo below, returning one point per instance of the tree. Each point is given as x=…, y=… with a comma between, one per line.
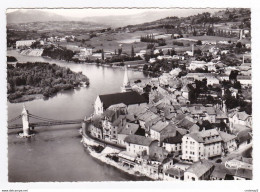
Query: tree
x=145, y=68
x=173, y=52
x=199, y=42
x=239, y=45
x=210, y=31
x=119, y=51
x=223, y=127
x=205, y=125
x=147, y=57
x=29, y=80
x=233, y=75
x=194, y=32
x=132, y=51
x=103, y=55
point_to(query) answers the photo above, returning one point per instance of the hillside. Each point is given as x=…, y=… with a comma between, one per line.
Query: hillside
x=31, y=15
x=147, y=16
x=204, y=20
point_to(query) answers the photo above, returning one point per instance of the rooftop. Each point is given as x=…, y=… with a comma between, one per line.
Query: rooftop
x=175, y=172
x=200, y=167
x=174, y=140
x=128, y=98
x=159, y=126
x=129, y=129
x=206, y=137
x=244, y=173
x=241, y=77
x=226, y=137
x=139, y=140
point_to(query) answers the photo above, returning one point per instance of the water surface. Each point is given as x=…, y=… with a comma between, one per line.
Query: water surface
x=55, y=153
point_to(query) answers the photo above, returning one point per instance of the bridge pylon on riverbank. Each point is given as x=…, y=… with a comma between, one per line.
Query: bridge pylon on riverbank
x=44, y=122
x=25, y=120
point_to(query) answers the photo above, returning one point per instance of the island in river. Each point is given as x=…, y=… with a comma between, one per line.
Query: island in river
x=28, y=81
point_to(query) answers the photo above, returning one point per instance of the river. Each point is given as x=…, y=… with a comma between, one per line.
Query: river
x=55, y=153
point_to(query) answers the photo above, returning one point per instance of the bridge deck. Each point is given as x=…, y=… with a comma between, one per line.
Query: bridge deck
x=51, y=123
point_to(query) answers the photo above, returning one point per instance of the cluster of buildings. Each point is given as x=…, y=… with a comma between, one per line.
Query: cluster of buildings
x=164, y=136
x=24, y=43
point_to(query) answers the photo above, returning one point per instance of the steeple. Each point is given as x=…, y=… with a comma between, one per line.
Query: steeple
x=126, y=84
x=126, y=80
x=224, y=107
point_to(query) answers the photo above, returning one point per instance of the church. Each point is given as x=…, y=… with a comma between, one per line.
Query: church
x=125, y=99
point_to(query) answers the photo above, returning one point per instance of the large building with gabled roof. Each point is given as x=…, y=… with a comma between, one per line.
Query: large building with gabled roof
x=124, y=99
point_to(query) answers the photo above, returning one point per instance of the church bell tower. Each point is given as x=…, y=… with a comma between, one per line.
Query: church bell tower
x=126, y=84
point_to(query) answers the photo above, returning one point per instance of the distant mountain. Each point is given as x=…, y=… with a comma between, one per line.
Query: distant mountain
x=31, y=15
x=148, y=16
x=34, y=15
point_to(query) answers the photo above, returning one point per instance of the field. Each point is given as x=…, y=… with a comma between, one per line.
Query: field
x=111, y=41
x=212, y=38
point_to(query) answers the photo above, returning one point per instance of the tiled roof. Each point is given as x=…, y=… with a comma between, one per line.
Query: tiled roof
x=225, y=136
x=221, y=115
x=220, y=171
x=129, y=129
x=240, y=77
x=206, y=137
x=130, y=117
x=174, y=140
x=181, y=131
x=159, y=126
x=211, y=110
x=242, y=115
x=244, y=135
x=175, y=172
x=170, y=116
x=118, y=120
x=199, y=168
x=244, y=173
x=152, y=121
x=197, y=109
x=238, y=128
x=194, y=128
x=139, y=140
x=128, y=98
x=109, y=113
x=147, y=116
x=185, y=124
x=170, y=128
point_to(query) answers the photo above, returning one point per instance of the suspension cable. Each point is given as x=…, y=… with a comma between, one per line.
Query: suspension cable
x=11, y=120
x=47, y=119
x=42, y=118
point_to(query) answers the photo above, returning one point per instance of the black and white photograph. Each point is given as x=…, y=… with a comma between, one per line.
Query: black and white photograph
x=129, y=94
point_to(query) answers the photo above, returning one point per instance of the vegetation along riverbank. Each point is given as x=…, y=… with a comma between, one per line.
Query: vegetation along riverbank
x=28, y=81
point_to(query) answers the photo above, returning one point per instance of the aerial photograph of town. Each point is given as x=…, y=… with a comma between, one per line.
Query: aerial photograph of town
x=129, y=95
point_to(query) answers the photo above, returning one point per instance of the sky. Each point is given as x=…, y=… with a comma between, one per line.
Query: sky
x=80, y=13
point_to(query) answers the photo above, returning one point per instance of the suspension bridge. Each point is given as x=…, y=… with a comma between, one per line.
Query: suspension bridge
x=38, y=122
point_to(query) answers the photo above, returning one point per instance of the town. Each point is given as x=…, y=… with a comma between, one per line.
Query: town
x=191, y=118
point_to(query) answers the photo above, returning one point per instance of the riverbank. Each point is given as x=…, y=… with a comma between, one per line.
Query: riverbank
x=60, y=141
x=103, y=157
x=26, y=98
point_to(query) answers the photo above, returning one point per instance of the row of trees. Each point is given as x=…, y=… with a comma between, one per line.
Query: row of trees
x=150, y=39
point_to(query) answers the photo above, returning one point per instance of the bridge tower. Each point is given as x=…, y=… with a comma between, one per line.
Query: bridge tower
x=25, y=119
